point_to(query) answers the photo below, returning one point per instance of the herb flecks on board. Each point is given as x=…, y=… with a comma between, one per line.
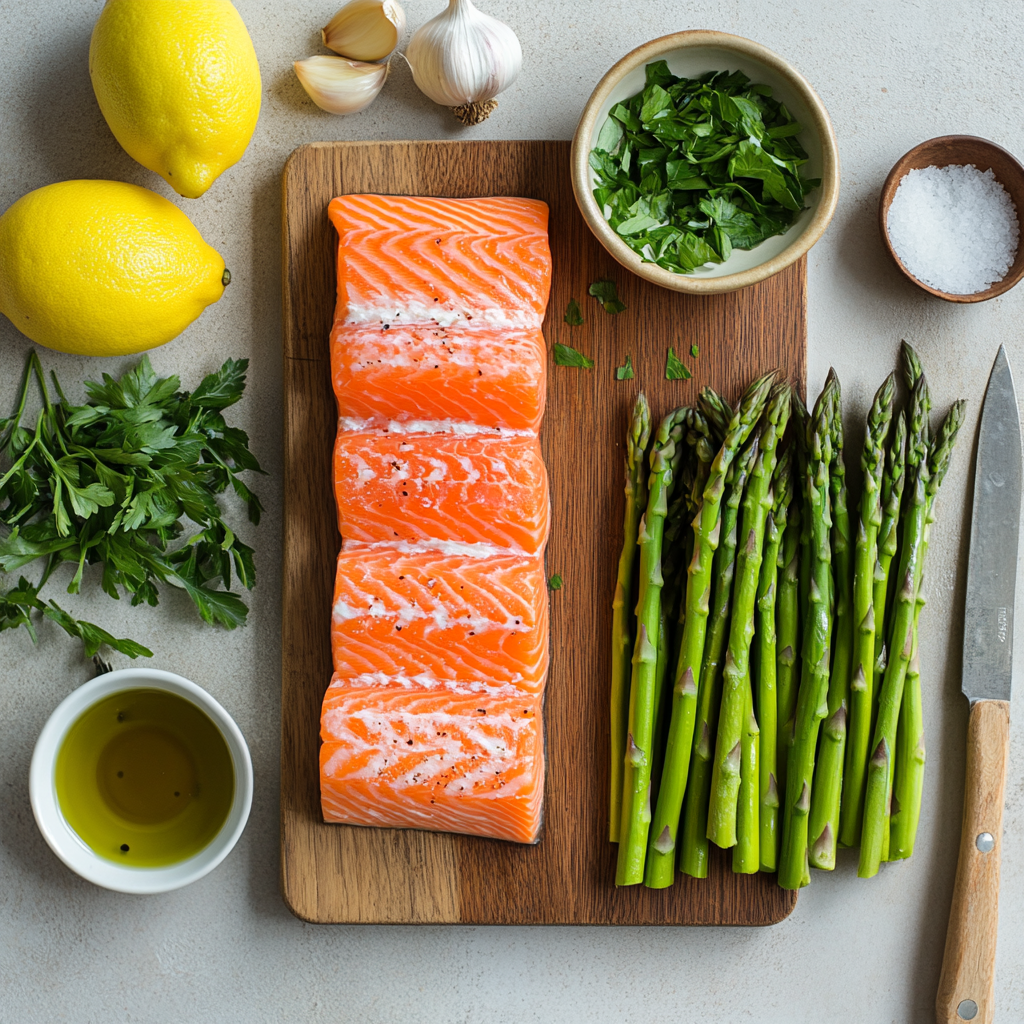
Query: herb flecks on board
x=608, y=295
x=126, y=481
x=689, y=169
x=555, y=582
x=625, y=372
x=675, y=368
x=573, y=314
x=566, y=355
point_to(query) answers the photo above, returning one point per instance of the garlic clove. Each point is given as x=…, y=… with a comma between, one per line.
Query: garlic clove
x=463, y=58
x=339, y=85
x=365, y=29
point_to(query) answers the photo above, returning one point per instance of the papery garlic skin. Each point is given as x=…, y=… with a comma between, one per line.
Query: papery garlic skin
x=464, y=56
x=339, y=85
x=365, y=30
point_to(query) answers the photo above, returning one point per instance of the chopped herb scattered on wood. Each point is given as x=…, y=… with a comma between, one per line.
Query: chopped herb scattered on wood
x=675, y=368
x=566, y=355
x=690, y=169
x=625, y=372
x=694, y=351
x=608, y=295
x=573, y=314
x=555, y=583
x=113, y=482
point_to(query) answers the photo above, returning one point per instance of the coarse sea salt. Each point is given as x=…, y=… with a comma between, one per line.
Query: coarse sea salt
x=954, y=228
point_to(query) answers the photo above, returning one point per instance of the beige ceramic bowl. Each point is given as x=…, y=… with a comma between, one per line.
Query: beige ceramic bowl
x=691, y=54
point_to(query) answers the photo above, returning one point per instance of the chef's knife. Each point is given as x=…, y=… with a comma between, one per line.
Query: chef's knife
x=967, y=984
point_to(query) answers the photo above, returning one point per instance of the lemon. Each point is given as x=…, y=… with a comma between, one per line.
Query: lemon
x=179, y=84
x=102, y=268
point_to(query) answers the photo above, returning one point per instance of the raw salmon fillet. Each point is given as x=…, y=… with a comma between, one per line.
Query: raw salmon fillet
x=433, y=759
x=454, y=617
x=439, y=630
x=494, y=379
x=412, y=259
x=442, y=490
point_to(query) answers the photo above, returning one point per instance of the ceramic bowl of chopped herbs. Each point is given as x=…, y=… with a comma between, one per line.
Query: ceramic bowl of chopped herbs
x=704, y=162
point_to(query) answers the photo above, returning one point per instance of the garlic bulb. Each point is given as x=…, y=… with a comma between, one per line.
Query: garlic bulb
x=365, y=29
x=339, y=85
x=463, y=59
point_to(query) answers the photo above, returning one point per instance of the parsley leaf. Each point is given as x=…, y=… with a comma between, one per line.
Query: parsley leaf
x=607, y=294
x=675, y=369
x=566, y=355
x=694, y=351
x=555, y=583
x=573, y=314
x=113, y=483
x=687, y=169
x=625, y=372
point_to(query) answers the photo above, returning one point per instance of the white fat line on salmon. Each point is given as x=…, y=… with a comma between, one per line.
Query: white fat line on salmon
x=444, y=547
x=442, y=314
x=380, y=426
x=426, y=681
x=373, y=607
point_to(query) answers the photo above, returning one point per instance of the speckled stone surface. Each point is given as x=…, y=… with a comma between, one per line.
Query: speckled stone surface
x=226, y=949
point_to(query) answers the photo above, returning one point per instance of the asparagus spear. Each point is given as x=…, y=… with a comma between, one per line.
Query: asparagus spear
x=757, y=501
x=746, y=853
x=812, y=698
x=910, y=757
x=888, y=536
x=622, y=640
x=878, y=790
x=866, y=555
x=693, y=856
x=767, y=674
x=787, y=617
x=666, y=453
x=707, y=529
x=716, y=410
x=823, y=825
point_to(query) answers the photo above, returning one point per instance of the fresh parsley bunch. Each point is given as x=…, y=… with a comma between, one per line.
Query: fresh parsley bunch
x=690, y=169
x=128, y=481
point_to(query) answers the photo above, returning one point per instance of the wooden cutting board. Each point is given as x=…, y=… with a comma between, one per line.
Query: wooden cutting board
x=343, y=874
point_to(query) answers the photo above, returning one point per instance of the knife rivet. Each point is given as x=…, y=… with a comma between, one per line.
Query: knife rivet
x=986, y=843
x=967, y=1010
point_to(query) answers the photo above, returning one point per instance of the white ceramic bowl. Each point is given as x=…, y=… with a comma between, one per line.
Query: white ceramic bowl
x=64, y=841
x=690, y=54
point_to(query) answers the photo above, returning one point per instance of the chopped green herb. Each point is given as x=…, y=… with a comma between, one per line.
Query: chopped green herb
x=573, y=314
x=689, y=169
x=694, y=351
x=625, y=372
x=675, y=369
x=127, y=481
x=555, y=583
x=608, y=295
x=566, y=355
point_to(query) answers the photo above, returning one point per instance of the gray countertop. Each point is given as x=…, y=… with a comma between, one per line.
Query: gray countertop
x=226, y=949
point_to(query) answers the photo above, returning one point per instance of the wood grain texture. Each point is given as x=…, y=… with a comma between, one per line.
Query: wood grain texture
x=969, y=963
x=333, y=873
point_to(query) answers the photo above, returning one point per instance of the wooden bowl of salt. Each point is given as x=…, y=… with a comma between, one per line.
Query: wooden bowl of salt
x=949, y=216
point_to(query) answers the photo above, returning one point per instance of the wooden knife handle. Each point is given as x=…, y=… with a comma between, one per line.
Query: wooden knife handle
x=967, y=983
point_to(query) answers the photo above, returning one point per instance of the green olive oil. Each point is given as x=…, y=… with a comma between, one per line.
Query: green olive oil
x=145, y=778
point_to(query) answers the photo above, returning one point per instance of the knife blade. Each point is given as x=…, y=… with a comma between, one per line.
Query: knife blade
x=967, y=983
x=992, y=568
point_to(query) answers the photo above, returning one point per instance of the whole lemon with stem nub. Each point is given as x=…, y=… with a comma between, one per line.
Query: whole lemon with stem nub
x=179, y=85
x=103, y=268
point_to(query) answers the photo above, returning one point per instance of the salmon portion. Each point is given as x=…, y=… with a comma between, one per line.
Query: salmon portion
x=444, y=490
x=432, y=759
x=454, y=617
x=495, y=379
x=413, y=259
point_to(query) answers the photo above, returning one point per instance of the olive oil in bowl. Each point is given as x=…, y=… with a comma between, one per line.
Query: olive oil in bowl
x=145, y=778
